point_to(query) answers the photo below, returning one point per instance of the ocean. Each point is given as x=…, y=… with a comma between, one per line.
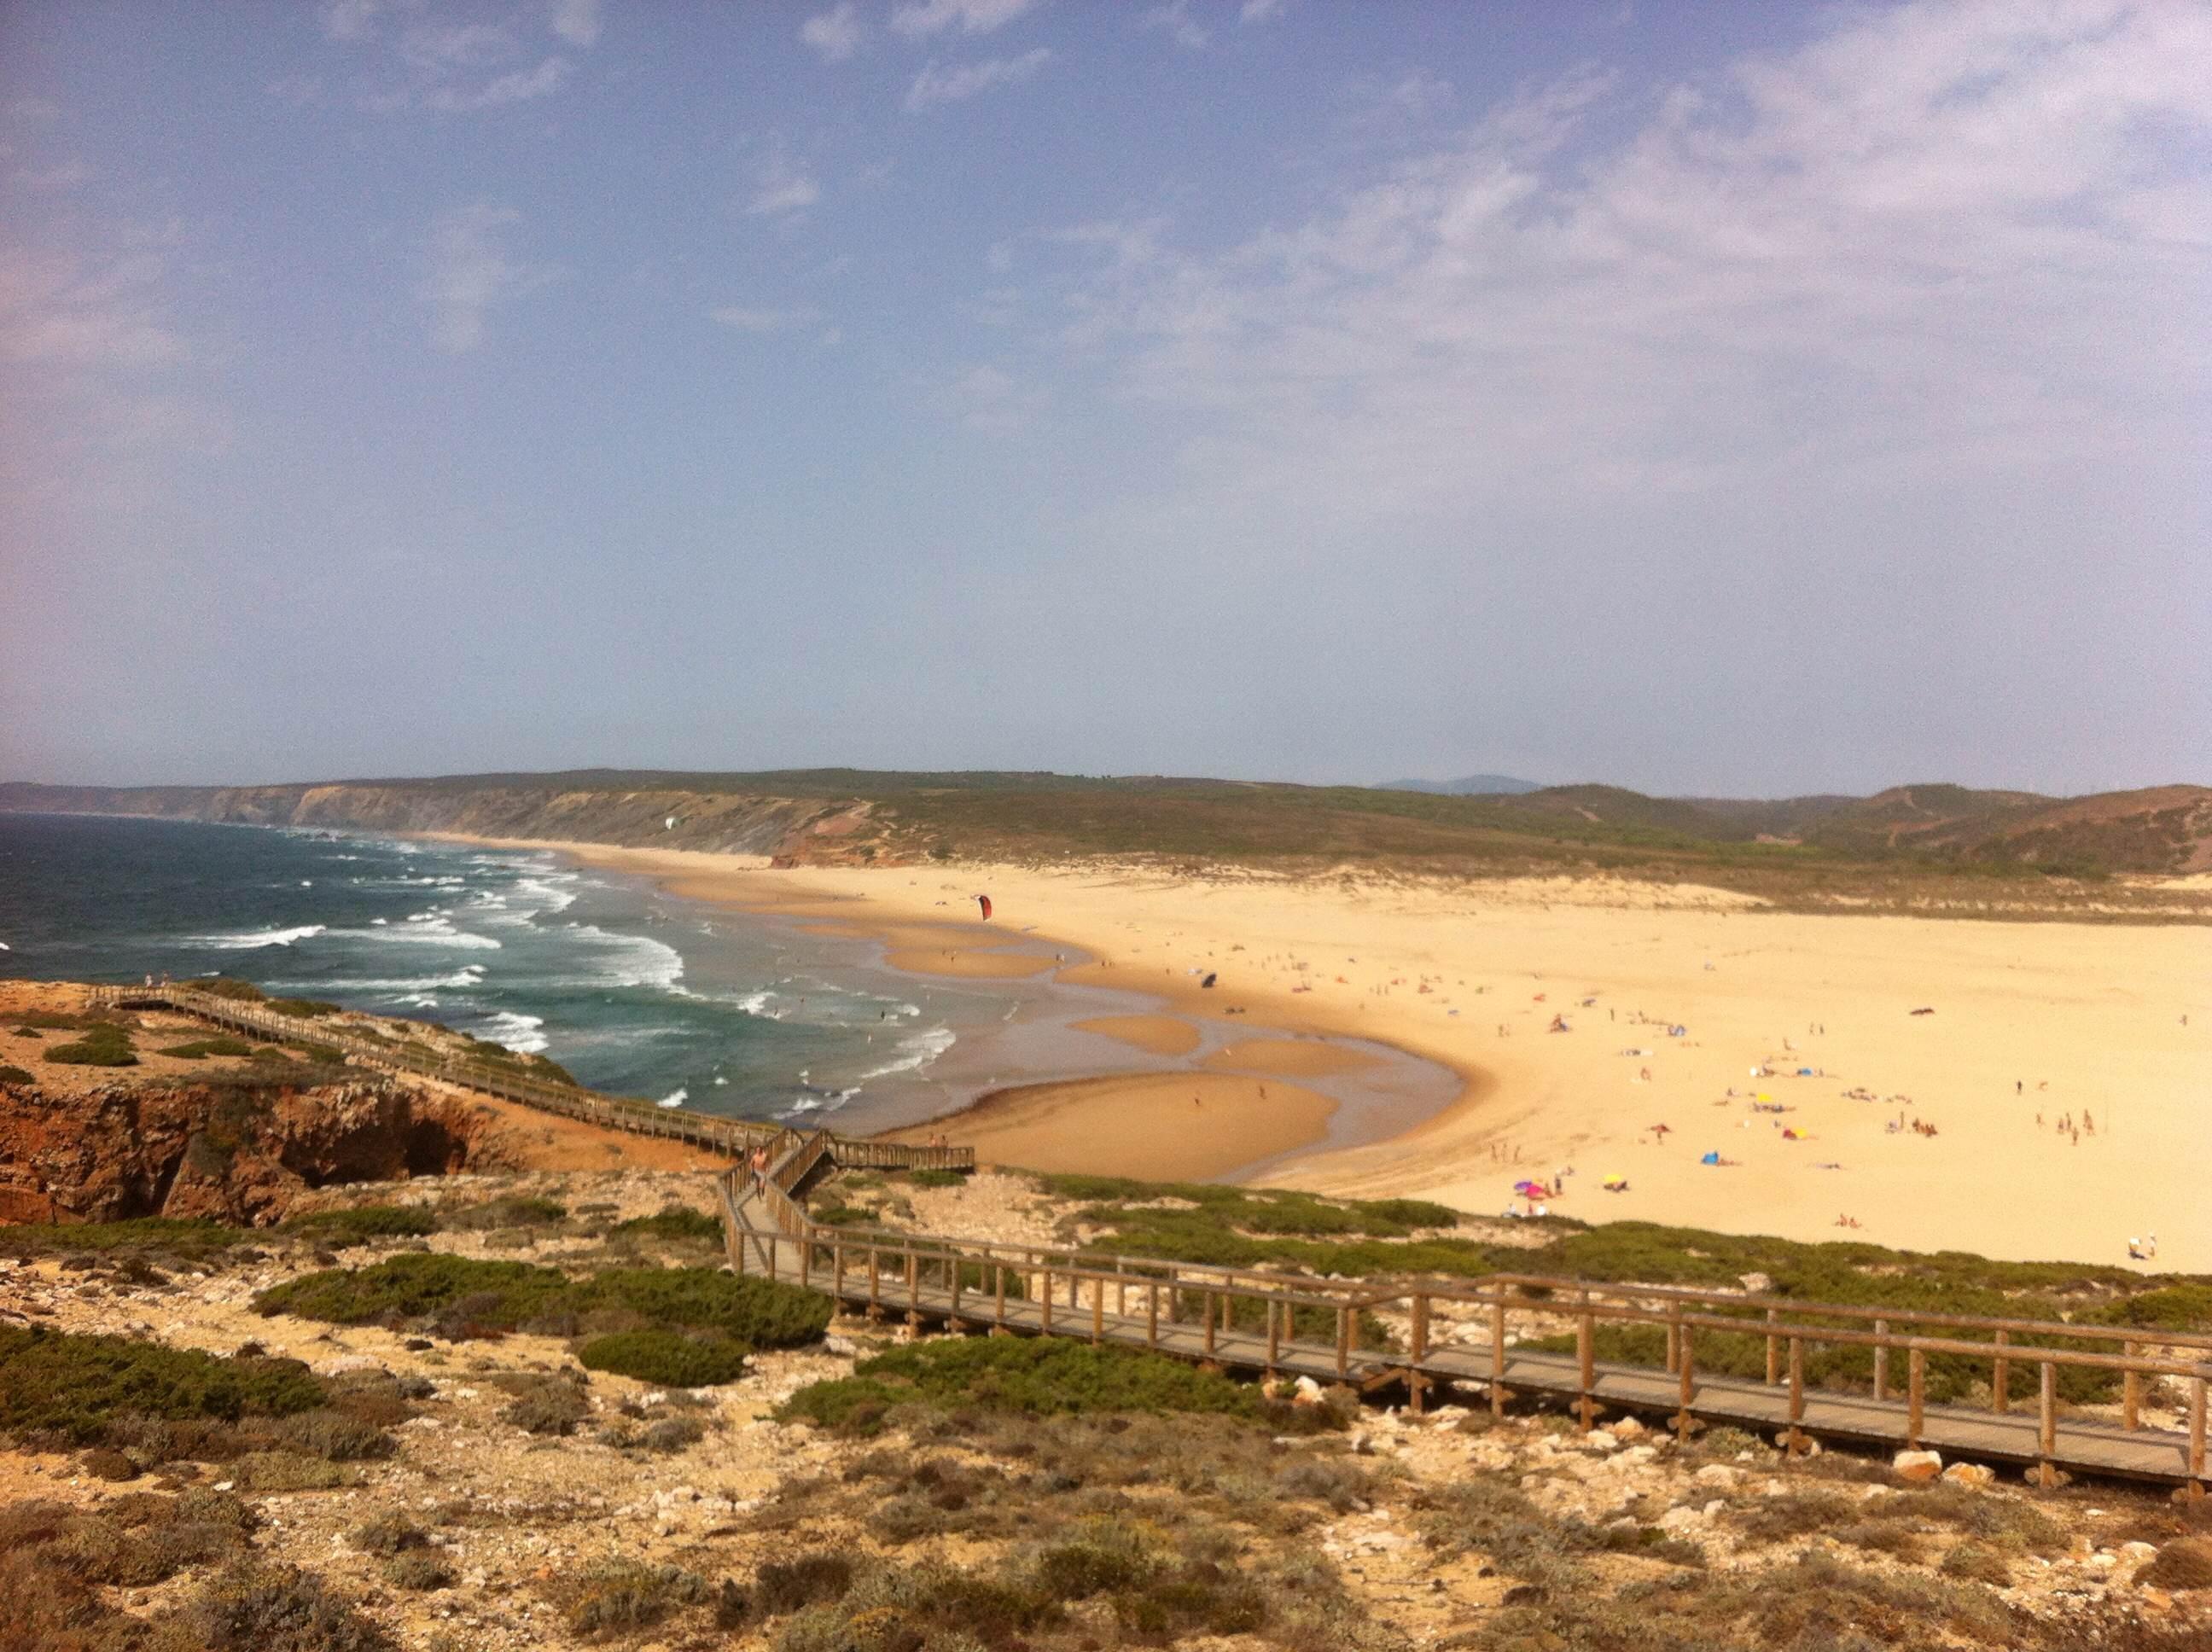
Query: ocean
x=633, y=991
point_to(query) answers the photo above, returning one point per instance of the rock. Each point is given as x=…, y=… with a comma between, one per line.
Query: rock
x=2136, y=1553
x=1624, y=1428
x=1973, y=1474
x=1307, y=1392
x=1918, y=1466
x=1719, y=1474
x=1757, y=1284
x=843, y=1347
x=1676, y=1521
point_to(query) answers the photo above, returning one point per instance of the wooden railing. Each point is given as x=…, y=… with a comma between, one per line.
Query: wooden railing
x=735, y=1138
x=1482, y=1334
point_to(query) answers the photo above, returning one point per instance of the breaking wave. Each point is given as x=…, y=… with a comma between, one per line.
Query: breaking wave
x=252, y=938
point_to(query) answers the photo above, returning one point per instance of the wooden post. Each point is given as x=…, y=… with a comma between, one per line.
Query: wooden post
x=1675, y=1335
x=2046, y=1434
x=1120, y=1287
x=1682, y=1424
x=1274, y=1342
x=1152, y=1318
x=1773, y=1351
x=1916, y=1392
x=1343, y=1343
x=956, y=1265
x=1796, y=1439
x=999, y=1299
x=1498, y=1357
x=837, y=1270
x=2196, y=1437
x=1044, y=1297
x=913, y=1287
x=1420, y=1339
x=2130, y=1393
x=1098, y=1310
x=2001, y=1382
x=1209, y=1324
x=1882, y=1360
x=1586, y=1357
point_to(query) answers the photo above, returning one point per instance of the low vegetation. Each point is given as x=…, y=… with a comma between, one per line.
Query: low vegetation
x=56, y=1384
x=103, y=1044
x=357, y=1224
x=150, y=1238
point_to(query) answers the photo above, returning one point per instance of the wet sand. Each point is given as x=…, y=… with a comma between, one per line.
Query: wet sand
x=1174, y=1127
x=1156, y=1035
x=1292, y=1058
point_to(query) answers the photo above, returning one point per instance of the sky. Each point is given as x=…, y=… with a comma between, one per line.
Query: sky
x=1726, y=399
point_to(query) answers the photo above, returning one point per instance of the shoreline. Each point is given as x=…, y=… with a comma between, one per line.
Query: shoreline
x=1262, y=1117
x=2026, y=1092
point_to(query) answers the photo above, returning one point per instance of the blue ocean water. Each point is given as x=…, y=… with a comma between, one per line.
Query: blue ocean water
x=634, y=993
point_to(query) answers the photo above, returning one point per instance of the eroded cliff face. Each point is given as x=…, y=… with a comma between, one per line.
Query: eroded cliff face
x=217, y=1151
x=796, y=830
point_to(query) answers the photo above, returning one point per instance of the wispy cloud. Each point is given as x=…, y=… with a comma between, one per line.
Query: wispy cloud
x=64, y=310
x=990, y=399
x=935, y=86
x=56, y=180
x=298, y=90
x=836, y=34
x=757, y=318
x=928, y=17
x=435, y=47
x=518, y=86
x=350, y=21
x=470, y=272
x=1927, y=244
x=1175, y=20
x=782, y=186
x=1259, y=11
x=578, y=22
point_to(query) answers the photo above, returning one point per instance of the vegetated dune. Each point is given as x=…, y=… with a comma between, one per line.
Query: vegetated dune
x=832, y=816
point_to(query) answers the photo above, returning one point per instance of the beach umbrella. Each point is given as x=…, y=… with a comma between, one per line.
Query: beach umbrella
x=1533, y=1189
x=1710, y=1159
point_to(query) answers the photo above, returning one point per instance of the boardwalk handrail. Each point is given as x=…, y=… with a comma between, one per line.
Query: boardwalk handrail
x=734, y=1136
x=1191, y=1310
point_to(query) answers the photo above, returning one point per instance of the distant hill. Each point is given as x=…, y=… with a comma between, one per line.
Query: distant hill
x=1468, y=786
x=861, y=816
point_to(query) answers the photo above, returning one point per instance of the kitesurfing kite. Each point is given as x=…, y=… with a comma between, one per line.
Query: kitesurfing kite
x=984, y=902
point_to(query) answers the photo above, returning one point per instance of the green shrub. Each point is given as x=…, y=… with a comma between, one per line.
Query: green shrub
x=667, y=1357
x=935, y=1178
x=75, y=1387
x=755, y=1312
x=357, y=1223
x=200, y=1047
x=673, y=1434
x=2185, y=1307
x=498, y=1296
x=159, y=1235
x=257, y=1607
x=625, y=1594
x=14, y=1076
x=1041, y=1375
x=287, y=1471
x=545, y=1405
x=1979, y=1564
x=676, y=1222
x=389, y=1534
x=221, y=987
x=302, y=1009
x=416, y=1571
x=513, y=1210
x=104, y=1045
x=2184, y=1563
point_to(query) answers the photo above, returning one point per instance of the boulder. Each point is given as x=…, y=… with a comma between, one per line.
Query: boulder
x=1624, y=1428
x=1974, y=1474
x=1918, y=1466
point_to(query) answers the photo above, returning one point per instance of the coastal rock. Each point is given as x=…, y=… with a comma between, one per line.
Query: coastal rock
x=1973, y=1474
x=1917, y=1466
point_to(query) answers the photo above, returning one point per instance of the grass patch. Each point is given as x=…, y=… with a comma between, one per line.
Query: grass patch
x=302, y=1009
x=56, y=1383
x=675, y=1222
x=464, y=1296
x=199, y=1049
x=162, y=1236
x=514, y=1211
x=1040, y=1376
x=358, y=1224
x=103, y=1045
x=669, y=1358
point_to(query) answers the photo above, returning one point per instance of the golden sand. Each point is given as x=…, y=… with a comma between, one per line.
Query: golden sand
x=2082, y=1023
x=1157, y=1035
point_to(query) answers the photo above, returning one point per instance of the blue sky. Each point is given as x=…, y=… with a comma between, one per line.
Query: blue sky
x=1745, y=399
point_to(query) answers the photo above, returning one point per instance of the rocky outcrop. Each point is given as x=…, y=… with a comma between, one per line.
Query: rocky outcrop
x=229, y=1153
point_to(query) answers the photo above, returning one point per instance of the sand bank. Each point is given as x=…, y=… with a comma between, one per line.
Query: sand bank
x=1170, y=1127
x=2075, y=1022
x=1156, y=1035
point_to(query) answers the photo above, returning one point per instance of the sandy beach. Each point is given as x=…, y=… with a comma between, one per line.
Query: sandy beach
x=2078, y=1024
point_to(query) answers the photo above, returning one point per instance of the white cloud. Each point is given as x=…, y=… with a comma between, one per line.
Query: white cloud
x=62, y=310
x=55, y=180
x=1173, y=19
x=969, y=17
x=350, y=21
x=1941, y=240
x=298, y=90
x=782, y=186
x=577, y=22
x=435, y=47
x=836, y=34
x=470, y=272
x=1259, y=11
x=755, y=318
x=517, y=87
x=935, y=86
x=990, y=399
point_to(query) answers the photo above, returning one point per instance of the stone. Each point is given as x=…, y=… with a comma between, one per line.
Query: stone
x=1719, y=1474
x=2136, y=1553
x=1918, y=1466
x=1624, y=1428
x=1973, y=1474
x=843, y=1347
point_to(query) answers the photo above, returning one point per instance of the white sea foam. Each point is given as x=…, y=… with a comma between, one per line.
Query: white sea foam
x=517, y=1031
x=252, y=938
x=418, y=1001
x=629, y=960
x=916, y=1052
x=428, y=929
x=675, y=1098
x=549, y=892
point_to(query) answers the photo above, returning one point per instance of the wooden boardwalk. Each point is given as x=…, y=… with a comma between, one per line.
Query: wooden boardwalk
x=1241, y=1321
